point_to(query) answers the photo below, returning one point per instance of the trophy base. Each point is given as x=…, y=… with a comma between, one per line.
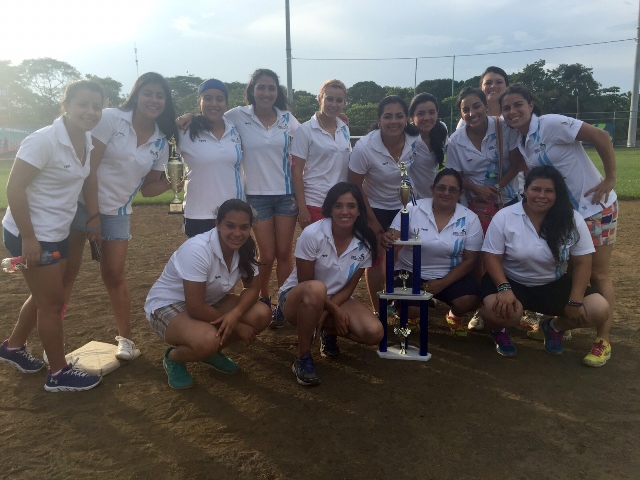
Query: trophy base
x=175, y=209
x=412, y=353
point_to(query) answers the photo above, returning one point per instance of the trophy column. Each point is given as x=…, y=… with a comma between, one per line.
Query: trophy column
x=174, y=170
x=404, y=351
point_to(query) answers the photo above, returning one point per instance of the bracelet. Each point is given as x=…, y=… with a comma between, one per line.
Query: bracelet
x=504, y=287
x=93, y=229
x=575, y=304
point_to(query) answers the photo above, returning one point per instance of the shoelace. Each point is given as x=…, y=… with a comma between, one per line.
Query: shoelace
x=597, y=349
x=26, y=354
x=502, y=339
x=306, y=362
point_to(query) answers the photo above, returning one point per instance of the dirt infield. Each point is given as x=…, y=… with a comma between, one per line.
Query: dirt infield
x=467, y=413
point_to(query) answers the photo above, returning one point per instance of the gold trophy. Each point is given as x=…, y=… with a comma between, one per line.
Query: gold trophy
x=404, y=191
x=174, y=170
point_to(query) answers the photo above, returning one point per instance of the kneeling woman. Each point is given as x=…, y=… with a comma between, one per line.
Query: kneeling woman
x=331, y=256
x=192, y=307
x=451, y=238
x=527, y=248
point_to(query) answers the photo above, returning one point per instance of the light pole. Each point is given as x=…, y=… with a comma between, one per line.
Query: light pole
x=289, y=74
x=633, y=108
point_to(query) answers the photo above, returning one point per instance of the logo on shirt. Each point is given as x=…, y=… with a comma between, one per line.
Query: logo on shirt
x=358, y=258
x=540, y=148
x=119, y=134
x=217, y=276
x=385, y=163
x=67, y=166
x=324, y=255
x=202, y=140
x=461, y=233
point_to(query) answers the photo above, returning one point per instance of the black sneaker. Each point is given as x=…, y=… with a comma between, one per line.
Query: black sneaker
x=304, y=370
x=277, y=319
x=20, y=358
x=329, y=347
x=70, y=379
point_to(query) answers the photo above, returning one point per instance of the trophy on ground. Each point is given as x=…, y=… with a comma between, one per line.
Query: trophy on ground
x=402, y=295
x=174, y=170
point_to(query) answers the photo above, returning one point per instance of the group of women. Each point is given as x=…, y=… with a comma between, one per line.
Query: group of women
x=257, y=169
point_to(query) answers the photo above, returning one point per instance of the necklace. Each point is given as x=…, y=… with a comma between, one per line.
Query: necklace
x=319, y=117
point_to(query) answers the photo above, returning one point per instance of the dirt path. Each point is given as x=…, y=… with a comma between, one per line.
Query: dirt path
x=467, y=413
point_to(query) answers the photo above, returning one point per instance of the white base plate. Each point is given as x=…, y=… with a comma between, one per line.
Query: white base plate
x=412, y=353
x=97, y=358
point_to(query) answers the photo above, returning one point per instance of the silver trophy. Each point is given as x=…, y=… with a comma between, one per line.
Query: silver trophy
x=404, y=276
x=403, y=333
x=174, y=170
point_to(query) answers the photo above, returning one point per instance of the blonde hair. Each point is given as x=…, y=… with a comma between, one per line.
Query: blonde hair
x=331, y=83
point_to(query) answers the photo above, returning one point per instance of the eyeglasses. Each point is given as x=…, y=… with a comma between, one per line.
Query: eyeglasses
x=444, y=188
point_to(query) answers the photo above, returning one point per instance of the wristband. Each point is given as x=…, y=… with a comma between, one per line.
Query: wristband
x=503, y=287
x=575, y=304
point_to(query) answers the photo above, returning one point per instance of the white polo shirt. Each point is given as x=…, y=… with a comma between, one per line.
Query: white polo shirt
x=266, y=159
x=481, y=167
x=440, y=251
x=527, y=258
x=213, y=171
x=552, y=141
x=315, y=243
x=199, y=259
x=382, y=174
x=326, y=158
x=124, y=165
x=423, y=170
x=53, y=193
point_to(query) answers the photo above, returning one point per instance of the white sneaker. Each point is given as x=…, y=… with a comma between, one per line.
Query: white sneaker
x=476, y=322
x=126, y=349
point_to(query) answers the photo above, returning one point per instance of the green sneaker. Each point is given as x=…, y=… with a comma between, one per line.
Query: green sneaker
x=222, y=363
x=179, y=377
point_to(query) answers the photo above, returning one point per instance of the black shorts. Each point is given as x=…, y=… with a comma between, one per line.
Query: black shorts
x=385, y=217
x=549, y=299
x=196, y=226
x=465, y=286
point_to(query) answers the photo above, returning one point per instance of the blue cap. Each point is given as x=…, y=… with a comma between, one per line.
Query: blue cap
x=213, y=83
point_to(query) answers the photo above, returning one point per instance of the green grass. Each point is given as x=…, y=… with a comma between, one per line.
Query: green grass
x=627, y=186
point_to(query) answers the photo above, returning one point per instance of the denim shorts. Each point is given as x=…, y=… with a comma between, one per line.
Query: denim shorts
x=268, y=206
x=14, y=245
x=113, y=227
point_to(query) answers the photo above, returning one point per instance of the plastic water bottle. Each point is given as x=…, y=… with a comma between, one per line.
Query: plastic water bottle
x=491, y=176
x=10, y=265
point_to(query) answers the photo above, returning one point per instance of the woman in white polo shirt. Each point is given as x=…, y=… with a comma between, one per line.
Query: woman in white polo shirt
x=451, y=238
x=423, y=112
x=212, y=153
x=320, y=153
x=527, y=249
x=192, y=305
x=556, y=140
x=43, y=188
x=266, y=129
x=375, y=167
x=331, y=256
x=130, y=151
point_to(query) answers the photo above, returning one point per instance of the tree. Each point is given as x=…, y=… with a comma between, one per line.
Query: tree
x=576, y=87
x=439, y=88
x=363, y=93
x=405, y=92
x=183, y=85
x=112, y=89
x=236, y=93
x=361, y=117
x=45, y=79
x=305, y=105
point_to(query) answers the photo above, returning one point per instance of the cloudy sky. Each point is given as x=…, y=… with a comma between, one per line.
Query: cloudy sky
x=228, y=39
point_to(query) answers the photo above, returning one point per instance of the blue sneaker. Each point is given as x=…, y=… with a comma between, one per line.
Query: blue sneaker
x=70, y=379
x=20, y=358
x=504, y=345
x=304, y=370
x=222, y=363
x=329, y=347
x=552, y=339
x=277, y=318
x=177, y=373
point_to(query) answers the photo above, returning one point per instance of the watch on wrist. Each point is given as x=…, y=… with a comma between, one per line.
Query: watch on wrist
x=498, y=187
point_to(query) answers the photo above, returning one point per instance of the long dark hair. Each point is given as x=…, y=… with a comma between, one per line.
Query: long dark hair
x=438, y=134
x=281, y=101
x=361, y=229
x=248, y=251
x=409, y=128
x=524, y=92
x=167, y=119
x=467, y=91
x=558, y=226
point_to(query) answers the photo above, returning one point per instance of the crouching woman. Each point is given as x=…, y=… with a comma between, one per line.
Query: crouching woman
x=527, y=249
x=192, y=307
